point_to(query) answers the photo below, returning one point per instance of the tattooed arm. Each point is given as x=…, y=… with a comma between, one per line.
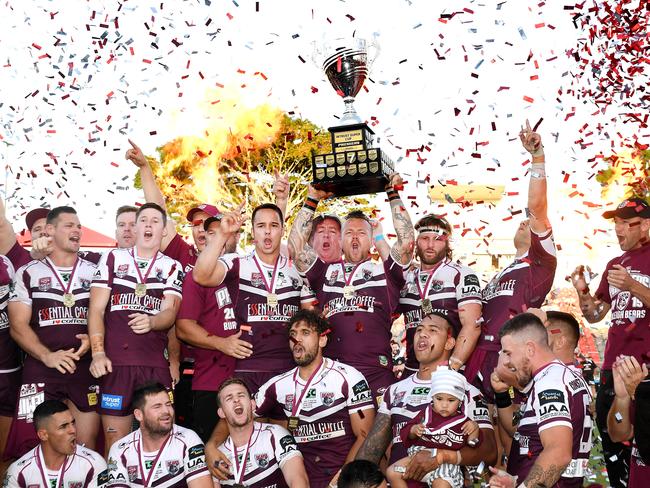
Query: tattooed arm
x=402, y=250
x=300, y=251
x=377, y=441
x=554, y=458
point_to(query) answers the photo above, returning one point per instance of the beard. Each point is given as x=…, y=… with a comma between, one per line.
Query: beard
x=155, y=429
x=307, y=358
x=237, y=423
x=436, y=259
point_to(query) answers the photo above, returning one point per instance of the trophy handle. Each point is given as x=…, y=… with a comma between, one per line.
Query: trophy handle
x=373, y=50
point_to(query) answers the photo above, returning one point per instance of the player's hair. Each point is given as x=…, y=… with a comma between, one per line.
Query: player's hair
x=527, y=324
x=360, y=474
x=46, y=409
x=572, y=325
x=231, y=381
x=312, y=319
x=125, y=209
x=319, y=219
x=155, y=206
x=142, y=392
x=433, y=220
x=54, y=214
x=268, y=206
x=357, y=214
x=451, y=330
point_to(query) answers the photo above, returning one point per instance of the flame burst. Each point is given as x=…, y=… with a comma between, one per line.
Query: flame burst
x=628, y=175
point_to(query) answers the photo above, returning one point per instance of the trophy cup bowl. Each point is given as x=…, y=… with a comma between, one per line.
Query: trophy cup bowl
x=354, y=167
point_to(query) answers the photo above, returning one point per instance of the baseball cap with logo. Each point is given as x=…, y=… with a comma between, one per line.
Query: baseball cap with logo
x=627, y=209
x=211, y=210
x=34, y=215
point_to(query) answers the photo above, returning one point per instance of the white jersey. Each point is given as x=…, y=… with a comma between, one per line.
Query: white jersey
x=83, y=469
x=271, y=446
x=404, y=400
x=179, y=461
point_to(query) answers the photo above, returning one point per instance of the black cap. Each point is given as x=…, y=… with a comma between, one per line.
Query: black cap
x=627, y=209
x=209, y=220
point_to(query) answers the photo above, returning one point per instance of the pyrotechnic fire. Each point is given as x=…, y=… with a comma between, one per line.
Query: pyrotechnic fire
x=627, y=175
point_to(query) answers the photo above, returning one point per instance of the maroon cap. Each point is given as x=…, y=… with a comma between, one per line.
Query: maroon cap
x=211, y=210
x=34, y=215
x=627, y=209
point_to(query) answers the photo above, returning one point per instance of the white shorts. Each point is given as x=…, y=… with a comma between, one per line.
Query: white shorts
x=451, y=473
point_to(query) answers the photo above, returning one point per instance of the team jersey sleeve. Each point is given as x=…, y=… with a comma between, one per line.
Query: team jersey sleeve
x=552, y=403
x=266, y=399
x=174, y=283
x=177, y=247
x=542, y=248
x=468, y=287
x=92, y=256
x=284, y=445
x=19, y=288
x=18, y=255
x=11, y=478
x=193, y=299
x=99, y=474
x=395, y=272
x=117, y=473
x=404, y=433
x=307, y=295
x=359, y=394
x=477, y=409
x=385, y=404
x=103, y=277
x=316, y=274
x=195, y=465
x=602, y=293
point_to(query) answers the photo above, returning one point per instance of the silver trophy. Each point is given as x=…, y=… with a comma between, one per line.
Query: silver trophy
x=354, y=167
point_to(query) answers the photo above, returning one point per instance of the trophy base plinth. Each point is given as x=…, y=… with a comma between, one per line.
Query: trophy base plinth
x=353, y=172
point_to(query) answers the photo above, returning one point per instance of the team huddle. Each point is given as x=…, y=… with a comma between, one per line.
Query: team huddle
x=194, y=365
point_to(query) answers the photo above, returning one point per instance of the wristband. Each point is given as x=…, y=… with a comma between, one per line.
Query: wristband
x=379, y=237
x=502, y=399
x=392, y=195
x=310, y=204
x=539, y=159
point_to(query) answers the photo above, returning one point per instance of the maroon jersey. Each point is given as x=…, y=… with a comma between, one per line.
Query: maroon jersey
x=629, y=332
x=559, y=396
x=38, y=284
x=182, y=252
x=10, y=356
x=523, y=284
x=448, y=287
x=18, y=255
x=268, y=331
x=362, y=318
x=117, y=272
x=324, y=433
x=441, y=432
x=213, y=309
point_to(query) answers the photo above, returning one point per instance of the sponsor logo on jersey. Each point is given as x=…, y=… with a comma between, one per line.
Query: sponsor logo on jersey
x=223, y=297
x=75, y=484
x=288, y=402
x=288, y=443
x=367, y=274
x=360, y=387
x=436, y=285
x=256, y=280
x=102, y=478
x=111, y=402
x=122, y=270
x=44, y=284
x=196, y=451
x=399, y=397
x=311, y=393
x=550, y=396
x=421, y=390
x=333, y=277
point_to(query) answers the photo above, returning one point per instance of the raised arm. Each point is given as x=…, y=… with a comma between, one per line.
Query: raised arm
x=593, y=310
x=300, y=251
x=281, y=190
x=7, y=234
x=208, y=270
x=537, y=195
x=383, y=248
x=152, y=193
x=402, y=250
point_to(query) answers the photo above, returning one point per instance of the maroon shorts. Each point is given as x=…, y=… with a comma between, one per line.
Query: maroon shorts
x=9, y=388
x=22, y=436
x=488, y=362
x=117, y=387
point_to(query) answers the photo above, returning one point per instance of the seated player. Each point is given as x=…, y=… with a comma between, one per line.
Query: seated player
x=160, y=453
x=441, y=425
x=58, y=461
x=269, y=456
